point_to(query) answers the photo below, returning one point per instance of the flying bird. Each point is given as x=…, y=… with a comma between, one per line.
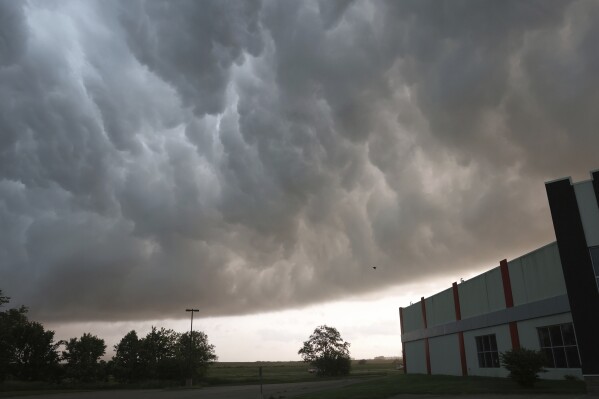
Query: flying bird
x=374, y=267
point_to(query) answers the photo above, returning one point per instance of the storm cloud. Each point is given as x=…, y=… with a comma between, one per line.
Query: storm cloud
x=261, y=155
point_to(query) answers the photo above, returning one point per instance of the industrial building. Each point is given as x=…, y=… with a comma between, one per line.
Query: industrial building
x=546, y=300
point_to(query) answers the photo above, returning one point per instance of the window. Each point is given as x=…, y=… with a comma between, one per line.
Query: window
x=595, y=259
x=486, y=349
x=559, y=344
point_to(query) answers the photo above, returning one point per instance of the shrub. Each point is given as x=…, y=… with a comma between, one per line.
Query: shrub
x=524, y=365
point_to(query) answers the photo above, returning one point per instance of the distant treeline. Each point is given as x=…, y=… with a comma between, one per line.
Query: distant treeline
x=28, y=352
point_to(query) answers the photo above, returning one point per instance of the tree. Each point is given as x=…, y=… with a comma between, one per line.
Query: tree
x=27, y=350
x=3, y=299
x=158, y=354
x=162, y=354
x=126, y=364
x=34, y=353
x=82, y=357
x=202, y=354
x=326, y=350
x=524, y=365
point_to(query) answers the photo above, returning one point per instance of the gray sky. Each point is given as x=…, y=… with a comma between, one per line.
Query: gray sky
x=264, y=155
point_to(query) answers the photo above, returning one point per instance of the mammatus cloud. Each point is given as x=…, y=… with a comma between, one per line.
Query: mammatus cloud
x=262, y=155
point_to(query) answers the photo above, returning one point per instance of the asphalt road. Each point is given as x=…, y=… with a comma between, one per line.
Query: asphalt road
x=227, y=392
x=272, y=391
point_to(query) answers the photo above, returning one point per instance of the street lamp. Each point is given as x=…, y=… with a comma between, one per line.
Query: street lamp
x=190, y=380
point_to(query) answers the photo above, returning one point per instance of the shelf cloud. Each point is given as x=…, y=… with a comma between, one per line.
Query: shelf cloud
x=260, y=155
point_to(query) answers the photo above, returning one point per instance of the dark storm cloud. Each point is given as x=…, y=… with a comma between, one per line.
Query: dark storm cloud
x=247, y=156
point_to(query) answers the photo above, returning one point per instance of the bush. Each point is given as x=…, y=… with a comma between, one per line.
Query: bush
x=524, y=365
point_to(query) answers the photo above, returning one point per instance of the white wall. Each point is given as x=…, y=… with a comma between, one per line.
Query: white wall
x=482, y=294
x=537, y=275
x=415, y=357
x=504, y=343
x=412, y=317
x=445, y=355
x=529, y=339
x=440, y=308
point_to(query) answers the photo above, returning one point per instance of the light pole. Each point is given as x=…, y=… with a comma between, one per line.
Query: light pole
x=190, y=380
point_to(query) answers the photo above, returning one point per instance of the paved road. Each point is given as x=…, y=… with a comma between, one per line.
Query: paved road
x=271, y=390
x=233, y=392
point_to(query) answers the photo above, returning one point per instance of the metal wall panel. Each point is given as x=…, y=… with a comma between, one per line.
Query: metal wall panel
x=440, y=308
x=504, y=343
x=589, y=211
x=537, y=275
x=445, y=355
x=412, y=317
x=529, y=339
x=482, y=294
x=416, y=357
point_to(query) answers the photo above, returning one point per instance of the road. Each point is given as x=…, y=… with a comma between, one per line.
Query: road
x=273, y=391
x=226, y=392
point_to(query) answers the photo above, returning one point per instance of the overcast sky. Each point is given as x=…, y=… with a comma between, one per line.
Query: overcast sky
x=257, y=156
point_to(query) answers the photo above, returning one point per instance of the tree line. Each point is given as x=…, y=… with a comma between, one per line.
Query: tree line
x=29, y=352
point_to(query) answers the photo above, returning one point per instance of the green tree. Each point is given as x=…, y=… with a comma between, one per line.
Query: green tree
x=327, y=351
x=34, y=352
x=126, y=363
x=158, y=358
x=27, y=350
x=524, y=365
x=82, y=357
x=3, y=299
x=202, y=354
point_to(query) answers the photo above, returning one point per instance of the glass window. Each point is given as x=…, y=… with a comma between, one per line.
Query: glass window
x=486, y=347
x=559, y=345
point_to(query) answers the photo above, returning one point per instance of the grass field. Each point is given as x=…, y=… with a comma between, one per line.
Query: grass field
x=390, y=385
x=381, y=380
x=274, y=372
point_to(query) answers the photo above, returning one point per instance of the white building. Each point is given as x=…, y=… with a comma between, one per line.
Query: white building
x=545, y=300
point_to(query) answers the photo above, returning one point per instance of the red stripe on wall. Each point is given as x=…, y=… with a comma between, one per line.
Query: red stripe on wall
x=428, y=357
x=423, y=306
x=507, y=284
x=403, y=351
x=463, y=354
x=401, y=319
x=509, y=301
x=426, y=349
x=514, y=335
x=458, y=316
x=456, y=302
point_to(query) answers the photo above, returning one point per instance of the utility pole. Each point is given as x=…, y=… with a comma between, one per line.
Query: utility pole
x=189, y=382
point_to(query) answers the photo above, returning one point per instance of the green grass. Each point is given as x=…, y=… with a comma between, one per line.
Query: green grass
x=384, y=387
x=380, y=380
x=277, y=372
x=221, y=373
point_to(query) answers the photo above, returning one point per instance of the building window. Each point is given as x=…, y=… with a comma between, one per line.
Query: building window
x=559, y=345
x=595, y=259
x=486, y=349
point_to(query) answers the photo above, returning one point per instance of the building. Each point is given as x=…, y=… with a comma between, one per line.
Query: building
x=545, y=300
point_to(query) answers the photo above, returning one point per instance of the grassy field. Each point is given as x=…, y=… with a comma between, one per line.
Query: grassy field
x=380, y=380
x=390, y=385
x=274, y=372
x=221, y=373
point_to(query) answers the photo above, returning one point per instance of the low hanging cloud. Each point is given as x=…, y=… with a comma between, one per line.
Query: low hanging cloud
x=260, y=155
